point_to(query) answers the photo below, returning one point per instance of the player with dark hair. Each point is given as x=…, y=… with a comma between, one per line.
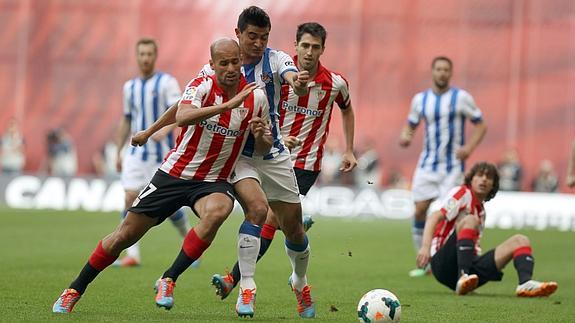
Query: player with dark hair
x=304, y=123
x=216, y=114
x=451, y=241
x=444, y=109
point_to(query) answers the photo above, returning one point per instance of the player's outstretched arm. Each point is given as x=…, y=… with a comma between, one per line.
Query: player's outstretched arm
x=348, y=161
x=571, y=167
x=424, y=254
x=189, y=114
x=298, y=81
x=166, y=119
x=476, y=136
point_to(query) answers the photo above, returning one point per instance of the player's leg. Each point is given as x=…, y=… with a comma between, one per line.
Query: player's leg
x=305, y=180
x=425, y=189
x=444, y=263
x=212, y=209
x=518, y=249
x=467, y=235
x=107, y=251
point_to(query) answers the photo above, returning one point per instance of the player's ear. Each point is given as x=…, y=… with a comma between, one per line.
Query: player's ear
x=238, y=33
x=212, y=64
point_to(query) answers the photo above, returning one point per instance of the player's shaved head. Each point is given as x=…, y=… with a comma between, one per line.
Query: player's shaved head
x=223, y=45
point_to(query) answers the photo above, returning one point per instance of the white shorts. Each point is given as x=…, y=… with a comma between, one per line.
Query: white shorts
x=137, y=173
x=276, y=176
x=428, y=185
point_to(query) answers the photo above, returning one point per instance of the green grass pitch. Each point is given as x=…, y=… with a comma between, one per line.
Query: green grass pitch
x=43, y=251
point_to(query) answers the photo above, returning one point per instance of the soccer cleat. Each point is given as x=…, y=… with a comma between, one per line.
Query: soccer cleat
x=246, y=303
x=305, y=306
x=307, y=222
x=533, y=288
x=65, y=303
x=466, y=284
x=224, y=285
x=165, y=293
x=126, y=262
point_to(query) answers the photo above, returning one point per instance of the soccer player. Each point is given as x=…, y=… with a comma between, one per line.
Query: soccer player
x=216, y=114
x=441, y=164
x=304, y=123
x=145, y=99
x=451, y=240
x=571, y=167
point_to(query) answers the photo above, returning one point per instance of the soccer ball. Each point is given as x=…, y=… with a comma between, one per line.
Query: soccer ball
x=378, y=305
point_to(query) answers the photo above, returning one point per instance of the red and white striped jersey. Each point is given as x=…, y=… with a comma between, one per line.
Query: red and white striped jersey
x=307, y=117
x=208, y=151
x=459, y=203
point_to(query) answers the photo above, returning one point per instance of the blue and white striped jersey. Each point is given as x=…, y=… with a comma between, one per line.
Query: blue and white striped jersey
x=444, y=117
x=267, y=73
x=144, y=102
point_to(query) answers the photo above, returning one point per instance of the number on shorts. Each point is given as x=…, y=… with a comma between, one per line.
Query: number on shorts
x=145, y=192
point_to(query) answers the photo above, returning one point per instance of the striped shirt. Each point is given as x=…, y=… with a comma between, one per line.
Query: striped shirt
x=459, y=203
x=267, y=73
x=209, y=150
x=308, y=117
x=145, y=100
x=444, y=115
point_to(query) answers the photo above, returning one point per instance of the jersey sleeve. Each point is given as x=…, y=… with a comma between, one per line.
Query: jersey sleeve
x=172, y=89
x=469, y=108
x=456, y=200
x=284, y=64
x=196, y=91
x=414, y=115
x=206, y=71
x=127, y=101
x=342, y=99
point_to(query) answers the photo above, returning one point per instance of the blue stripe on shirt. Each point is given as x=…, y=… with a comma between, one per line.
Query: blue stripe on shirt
x=451, y=127
x=462, y=139
x=423, y=104
x=156, y=94
x=437, y=118
x=143, y=117
x=132, y=108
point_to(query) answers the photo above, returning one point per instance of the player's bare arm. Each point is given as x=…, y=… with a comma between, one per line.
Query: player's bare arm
x=476, y=136
x=120, y=139
x=189, y=114
x=424, y=254
x=262, y=135
x=166, y=119
x=348, y=160
x=571, y=167
x=298, y=81
x=406, y=135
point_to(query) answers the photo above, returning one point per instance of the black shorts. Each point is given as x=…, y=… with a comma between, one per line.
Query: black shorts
x=305, y=179
x=444, y=265
x=166, y=194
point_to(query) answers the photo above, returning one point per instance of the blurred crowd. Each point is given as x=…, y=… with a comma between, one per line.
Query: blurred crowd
x=61, y=160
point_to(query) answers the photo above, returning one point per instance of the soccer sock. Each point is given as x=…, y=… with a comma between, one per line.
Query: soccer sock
x=266, y=238
x=192, y=249
x=97, y=262
x=181, y=222
x=466, y=249
x=524, y=263
x=299, y=257
x=417, y=234
x=248, y=250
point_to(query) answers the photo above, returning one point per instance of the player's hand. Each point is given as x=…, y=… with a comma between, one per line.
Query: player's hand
x=139, y=139
x=291, y=142
x=119, y=162
x=259, y=128
x=571, y=181
x=348, y=162
x=239, y=98
x=462, y=153
x=405, y=138
x=300, y=81
x=423, y=257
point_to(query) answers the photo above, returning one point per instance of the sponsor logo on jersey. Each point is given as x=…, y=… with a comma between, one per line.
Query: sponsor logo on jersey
x=302, y=110
x=189, y=93
x=216, y=128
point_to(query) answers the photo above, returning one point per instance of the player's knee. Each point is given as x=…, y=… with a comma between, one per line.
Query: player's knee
x=521, y=240
x=215, y=215
x=258, y=212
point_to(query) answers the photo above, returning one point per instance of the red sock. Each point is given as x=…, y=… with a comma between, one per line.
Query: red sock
x=268, y=232
x=193, y=245
x=100, y=259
